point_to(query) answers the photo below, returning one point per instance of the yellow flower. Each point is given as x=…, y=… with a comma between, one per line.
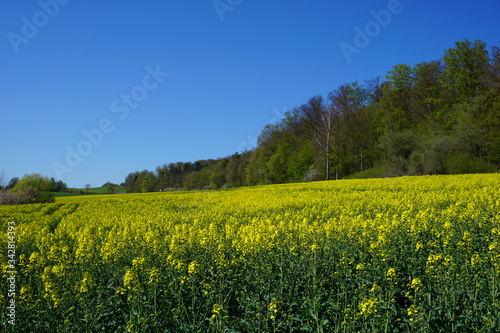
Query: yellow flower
x=273, y=305
x=447, y=225
x=154, y=275
x=58, y=270
x=475, y=260
x=87, y=283
x=412, y=310
x=138, y=262
x=375, y=288
x=416, y=284
x=26, y=293
x=129, y=278
x=368, y=306
x=391, y=273
x=434, y=259
x=216, y=309
x=193, y=267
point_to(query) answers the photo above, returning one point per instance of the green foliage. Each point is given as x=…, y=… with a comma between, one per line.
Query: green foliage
x=463, y=162
x=399, y=78
x=375, y=172
x=300, y=161
x=218, y=175
x=35, y=181
x=137, y=182
x=492, y=124
x=466, y=68
x=428, y=97
x=149, y=182
x=58, y=186
x=399, y=147
x=44, y=196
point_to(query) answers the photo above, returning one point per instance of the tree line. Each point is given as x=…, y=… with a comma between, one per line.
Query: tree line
x=435, y=117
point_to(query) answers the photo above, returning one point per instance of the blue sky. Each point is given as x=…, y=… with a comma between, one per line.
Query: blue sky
x=67, y=67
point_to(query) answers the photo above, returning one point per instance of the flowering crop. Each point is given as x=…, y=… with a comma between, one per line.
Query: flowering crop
x=403, y=254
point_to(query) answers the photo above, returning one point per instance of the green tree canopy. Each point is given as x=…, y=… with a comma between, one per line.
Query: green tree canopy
x=466, y=67
x=35, y=181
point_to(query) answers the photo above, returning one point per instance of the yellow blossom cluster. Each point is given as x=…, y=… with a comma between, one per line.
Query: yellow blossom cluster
x=263, y=258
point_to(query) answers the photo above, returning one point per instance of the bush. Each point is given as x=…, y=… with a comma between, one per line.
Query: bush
x=399, y=147
x=463, y=162
x=25, y=196
x=22, y=196
x=45, y=196
x=30, y=189
x=311, y=175
x=429, y=158
x=11, y=198
x=376, y=172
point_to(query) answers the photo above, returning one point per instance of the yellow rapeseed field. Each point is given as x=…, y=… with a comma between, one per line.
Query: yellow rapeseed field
x=410, y=254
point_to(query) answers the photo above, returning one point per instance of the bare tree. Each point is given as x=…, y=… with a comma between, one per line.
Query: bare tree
x=348, y=101
x=320, y=120
x=3, y=180
x=374, y=89
x=335, y=105
x=87, y=186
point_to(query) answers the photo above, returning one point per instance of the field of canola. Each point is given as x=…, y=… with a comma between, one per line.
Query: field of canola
x=411, y=254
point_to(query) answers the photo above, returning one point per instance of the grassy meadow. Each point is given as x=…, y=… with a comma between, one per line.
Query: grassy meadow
x=91, y=191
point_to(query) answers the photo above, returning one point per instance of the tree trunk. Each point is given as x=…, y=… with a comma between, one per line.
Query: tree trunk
x=362, y=147
x=337, y=153
x=328, y=156
x=327, y=166
x=361, y=157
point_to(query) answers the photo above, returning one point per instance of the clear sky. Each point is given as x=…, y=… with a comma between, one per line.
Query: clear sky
x=92, y=90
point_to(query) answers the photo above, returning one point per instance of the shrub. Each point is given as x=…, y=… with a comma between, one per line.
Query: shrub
x=375, y=172
x=45, y=196
x=22, y=196
x=11, y=198
x=30, y=189
x=463, y=162
x=311, y=175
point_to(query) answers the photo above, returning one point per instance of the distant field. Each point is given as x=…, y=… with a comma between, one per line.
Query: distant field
x=410, y=254
x=92, y=190
x=64, y=194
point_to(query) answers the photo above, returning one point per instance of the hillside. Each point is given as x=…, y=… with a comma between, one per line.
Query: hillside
x=434, y=117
